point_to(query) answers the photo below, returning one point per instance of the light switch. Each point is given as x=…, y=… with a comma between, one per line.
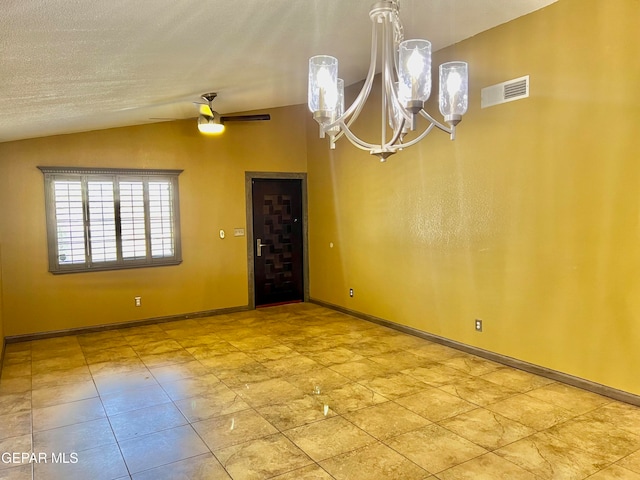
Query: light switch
x=238, y=232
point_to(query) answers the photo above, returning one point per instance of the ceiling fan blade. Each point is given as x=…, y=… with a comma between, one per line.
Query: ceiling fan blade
x=245, y=118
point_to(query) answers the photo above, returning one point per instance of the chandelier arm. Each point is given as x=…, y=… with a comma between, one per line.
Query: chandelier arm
x=356, y=141
x=393, y=75
x=396, y=122
x=396, y=135
x=344, y=128
x=352, y=113
x=338, y=135
x=398, y=37
x=396, y=105
x=441, y=126
x=390, y=111
x=356, y=107
x=385, y=79
x=392, y=92
x=390, y=88
x=417, y=139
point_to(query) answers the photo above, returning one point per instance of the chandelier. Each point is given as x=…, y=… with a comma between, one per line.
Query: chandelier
x=406, y=86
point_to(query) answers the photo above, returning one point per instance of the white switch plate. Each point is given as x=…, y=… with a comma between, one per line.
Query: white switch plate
x=238, y=232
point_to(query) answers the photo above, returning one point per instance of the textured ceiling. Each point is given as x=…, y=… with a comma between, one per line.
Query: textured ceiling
x=78, y=65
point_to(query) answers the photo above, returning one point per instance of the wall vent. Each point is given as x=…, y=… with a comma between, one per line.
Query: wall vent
x=505, y=92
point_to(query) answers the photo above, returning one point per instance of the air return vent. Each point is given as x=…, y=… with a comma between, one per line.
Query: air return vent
x=505, y=92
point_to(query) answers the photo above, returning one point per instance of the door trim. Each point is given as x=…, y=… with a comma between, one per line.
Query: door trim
x=248, y=177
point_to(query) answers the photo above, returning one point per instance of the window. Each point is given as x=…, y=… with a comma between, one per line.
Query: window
x=105, y=219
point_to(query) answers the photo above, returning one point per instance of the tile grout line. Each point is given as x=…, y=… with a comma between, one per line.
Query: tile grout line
x=277, y=339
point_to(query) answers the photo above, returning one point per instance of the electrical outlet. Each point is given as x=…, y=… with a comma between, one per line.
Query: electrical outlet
x=478, y=325
x=351, y=292
x=138, y=301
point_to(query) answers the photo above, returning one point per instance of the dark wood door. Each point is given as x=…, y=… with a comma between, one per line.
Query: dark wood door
x=277, y=241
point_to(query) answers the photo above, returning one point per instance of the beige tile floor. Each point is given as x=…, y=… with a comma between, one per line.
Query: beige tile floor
x=296, y=392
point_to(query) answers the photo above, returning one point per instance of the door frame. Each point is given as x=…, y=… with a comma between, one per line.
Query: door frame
x=248, y=178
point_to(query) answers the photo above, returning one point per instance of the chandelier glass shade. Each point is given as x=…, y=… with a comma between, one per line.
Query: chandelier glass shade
x=406, y=86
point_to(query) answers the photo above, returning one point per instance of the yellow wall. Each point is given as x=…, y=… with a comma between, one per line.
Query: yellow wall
x=1, y=319
x=213, y=274
x=529, y=221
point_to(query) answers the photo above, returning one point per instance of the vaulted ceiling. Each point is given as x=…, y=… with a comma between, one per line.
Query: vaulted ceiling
x=78, y=65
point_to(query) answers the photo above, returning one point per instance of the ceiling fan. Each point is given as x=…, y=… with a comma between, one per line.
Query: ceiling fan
x=211, y=122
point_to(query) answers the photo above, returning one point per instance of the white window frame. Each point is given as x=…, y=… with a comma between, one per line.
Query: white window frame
x=101, y=228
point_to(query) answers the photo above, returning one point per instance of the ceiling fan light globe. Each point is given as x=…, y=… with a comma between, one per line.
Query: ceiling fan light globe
x=209, y=126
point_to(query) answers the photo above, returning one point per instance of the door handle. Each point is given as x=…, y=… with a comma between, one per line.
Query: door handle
x=259, y=246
